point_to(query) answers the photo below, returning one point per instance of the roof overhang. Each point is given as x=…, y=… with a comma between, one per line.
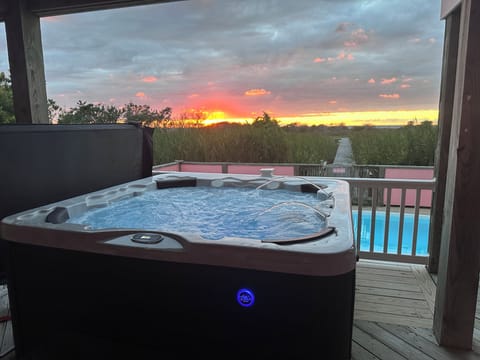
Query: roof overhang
x=61, y=7
x=448, y=6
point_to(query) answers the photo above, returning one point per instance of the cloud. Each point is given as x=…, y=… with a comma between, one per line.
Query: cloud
x=257, y=92
x=187, y=47
x=140, y=94
x=405, y=86
x=390, y=96
x=388, y=81
x=342, y=27
x=371, y=81
x=149, y=79
x=359, y=36
x=344, y=56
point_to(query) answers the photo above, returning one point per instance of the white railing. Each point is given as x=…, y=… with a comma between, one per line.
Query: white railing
x=389, y=200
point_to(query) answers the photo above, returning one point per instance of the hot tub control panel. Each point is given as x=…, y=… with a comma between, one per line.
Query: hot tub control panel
x=147, y=240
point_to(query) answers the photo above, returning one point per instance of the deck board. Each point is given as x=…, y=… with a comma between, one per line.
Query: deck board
x=405, y=300
x=6, y=334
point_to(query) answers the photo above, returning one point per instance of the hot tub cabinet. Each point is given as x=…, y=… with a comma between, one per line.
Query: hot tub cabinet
x=78, y=293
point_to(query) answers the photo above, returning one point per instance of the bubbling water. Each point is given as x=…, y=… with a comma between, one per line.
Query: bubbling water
x=215, y=212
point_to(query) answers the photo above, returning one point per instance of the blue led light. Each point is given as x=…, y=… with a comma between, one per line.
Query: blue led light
x=245, y=297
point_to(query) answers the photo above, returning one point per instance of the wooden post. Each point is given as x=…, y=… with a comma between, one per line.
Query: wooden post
x=26, y=64
x=447, y=90
x=459, y=262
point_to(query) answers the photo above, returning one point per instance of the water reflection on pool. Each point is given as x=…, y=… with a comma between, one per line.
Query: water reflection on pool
x=393, y=231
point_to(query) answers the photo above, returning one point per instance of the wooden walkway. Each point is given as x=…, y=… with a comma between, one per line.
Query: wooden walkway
x=393, y=316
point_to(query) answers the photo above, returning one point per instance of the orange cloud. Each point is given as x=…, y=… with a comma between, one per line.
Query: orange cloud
x=389, y=81
x=371, y=81
x=343, y=56
x=149, y=79
x=257, y=92
x=389, y=96
x=191, y=96
x=140, y=94
x=405, y=86
x=333, y=102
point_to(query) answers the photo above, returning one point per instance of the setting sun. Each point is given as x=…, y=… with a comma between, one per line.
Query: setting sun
x=354, y=118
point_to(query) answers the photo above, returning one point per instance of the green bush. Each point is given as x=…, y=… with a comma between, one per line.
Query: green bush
x=255, y=143
x=408, y=145
x=264, y=141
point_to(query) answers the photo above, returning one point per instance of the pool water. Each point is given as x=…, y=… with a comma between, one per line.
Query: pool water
x=214, y=213
x=393, y=230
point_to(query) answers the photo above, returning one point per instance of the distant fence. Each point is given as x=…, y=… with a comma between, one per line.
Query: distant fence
x=388, y=172
x=283, y=169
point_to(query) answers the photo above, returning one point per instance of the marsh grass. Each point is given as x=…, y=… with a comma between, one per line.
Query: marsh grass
x=270, y=143
x=242, y=143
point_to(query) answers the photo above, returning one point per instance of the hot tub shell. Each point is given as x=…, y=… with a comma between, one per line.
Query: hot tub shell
x=78, y=293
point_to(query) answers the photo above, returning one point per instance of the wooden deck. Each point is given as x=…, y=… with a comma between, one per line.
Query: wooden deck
x=394, y=305
x=393, y=316
x=6, y=336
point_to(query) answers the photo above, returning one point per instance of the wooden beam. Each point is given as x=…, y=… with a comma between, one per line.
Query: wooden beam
x=447, y=89
x=3, y=9
x=26, y=64
x=61, y=7
x=459, y=263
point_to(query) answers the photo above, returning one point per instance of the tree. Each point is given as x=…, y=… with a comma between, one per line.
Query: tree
x=54, y=111
x=265, y=121
x=87, y=113
x=133, y=113
x=7, y=113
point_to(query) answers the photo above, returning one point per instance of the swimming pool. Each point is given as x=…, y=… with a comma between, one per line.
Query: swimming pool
x=393, y=230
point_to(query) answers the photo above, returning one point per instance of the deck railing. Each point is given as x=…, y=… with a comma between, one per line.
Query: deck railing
x=372, y=199
x=386, y=212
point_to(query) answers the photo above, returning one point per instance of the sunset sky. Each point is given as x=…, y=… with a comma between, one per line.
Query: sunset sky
x=311, y=61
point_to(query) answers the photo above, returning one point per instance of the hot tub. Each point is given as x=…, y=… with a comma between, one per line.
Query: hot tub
x=81, y=289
